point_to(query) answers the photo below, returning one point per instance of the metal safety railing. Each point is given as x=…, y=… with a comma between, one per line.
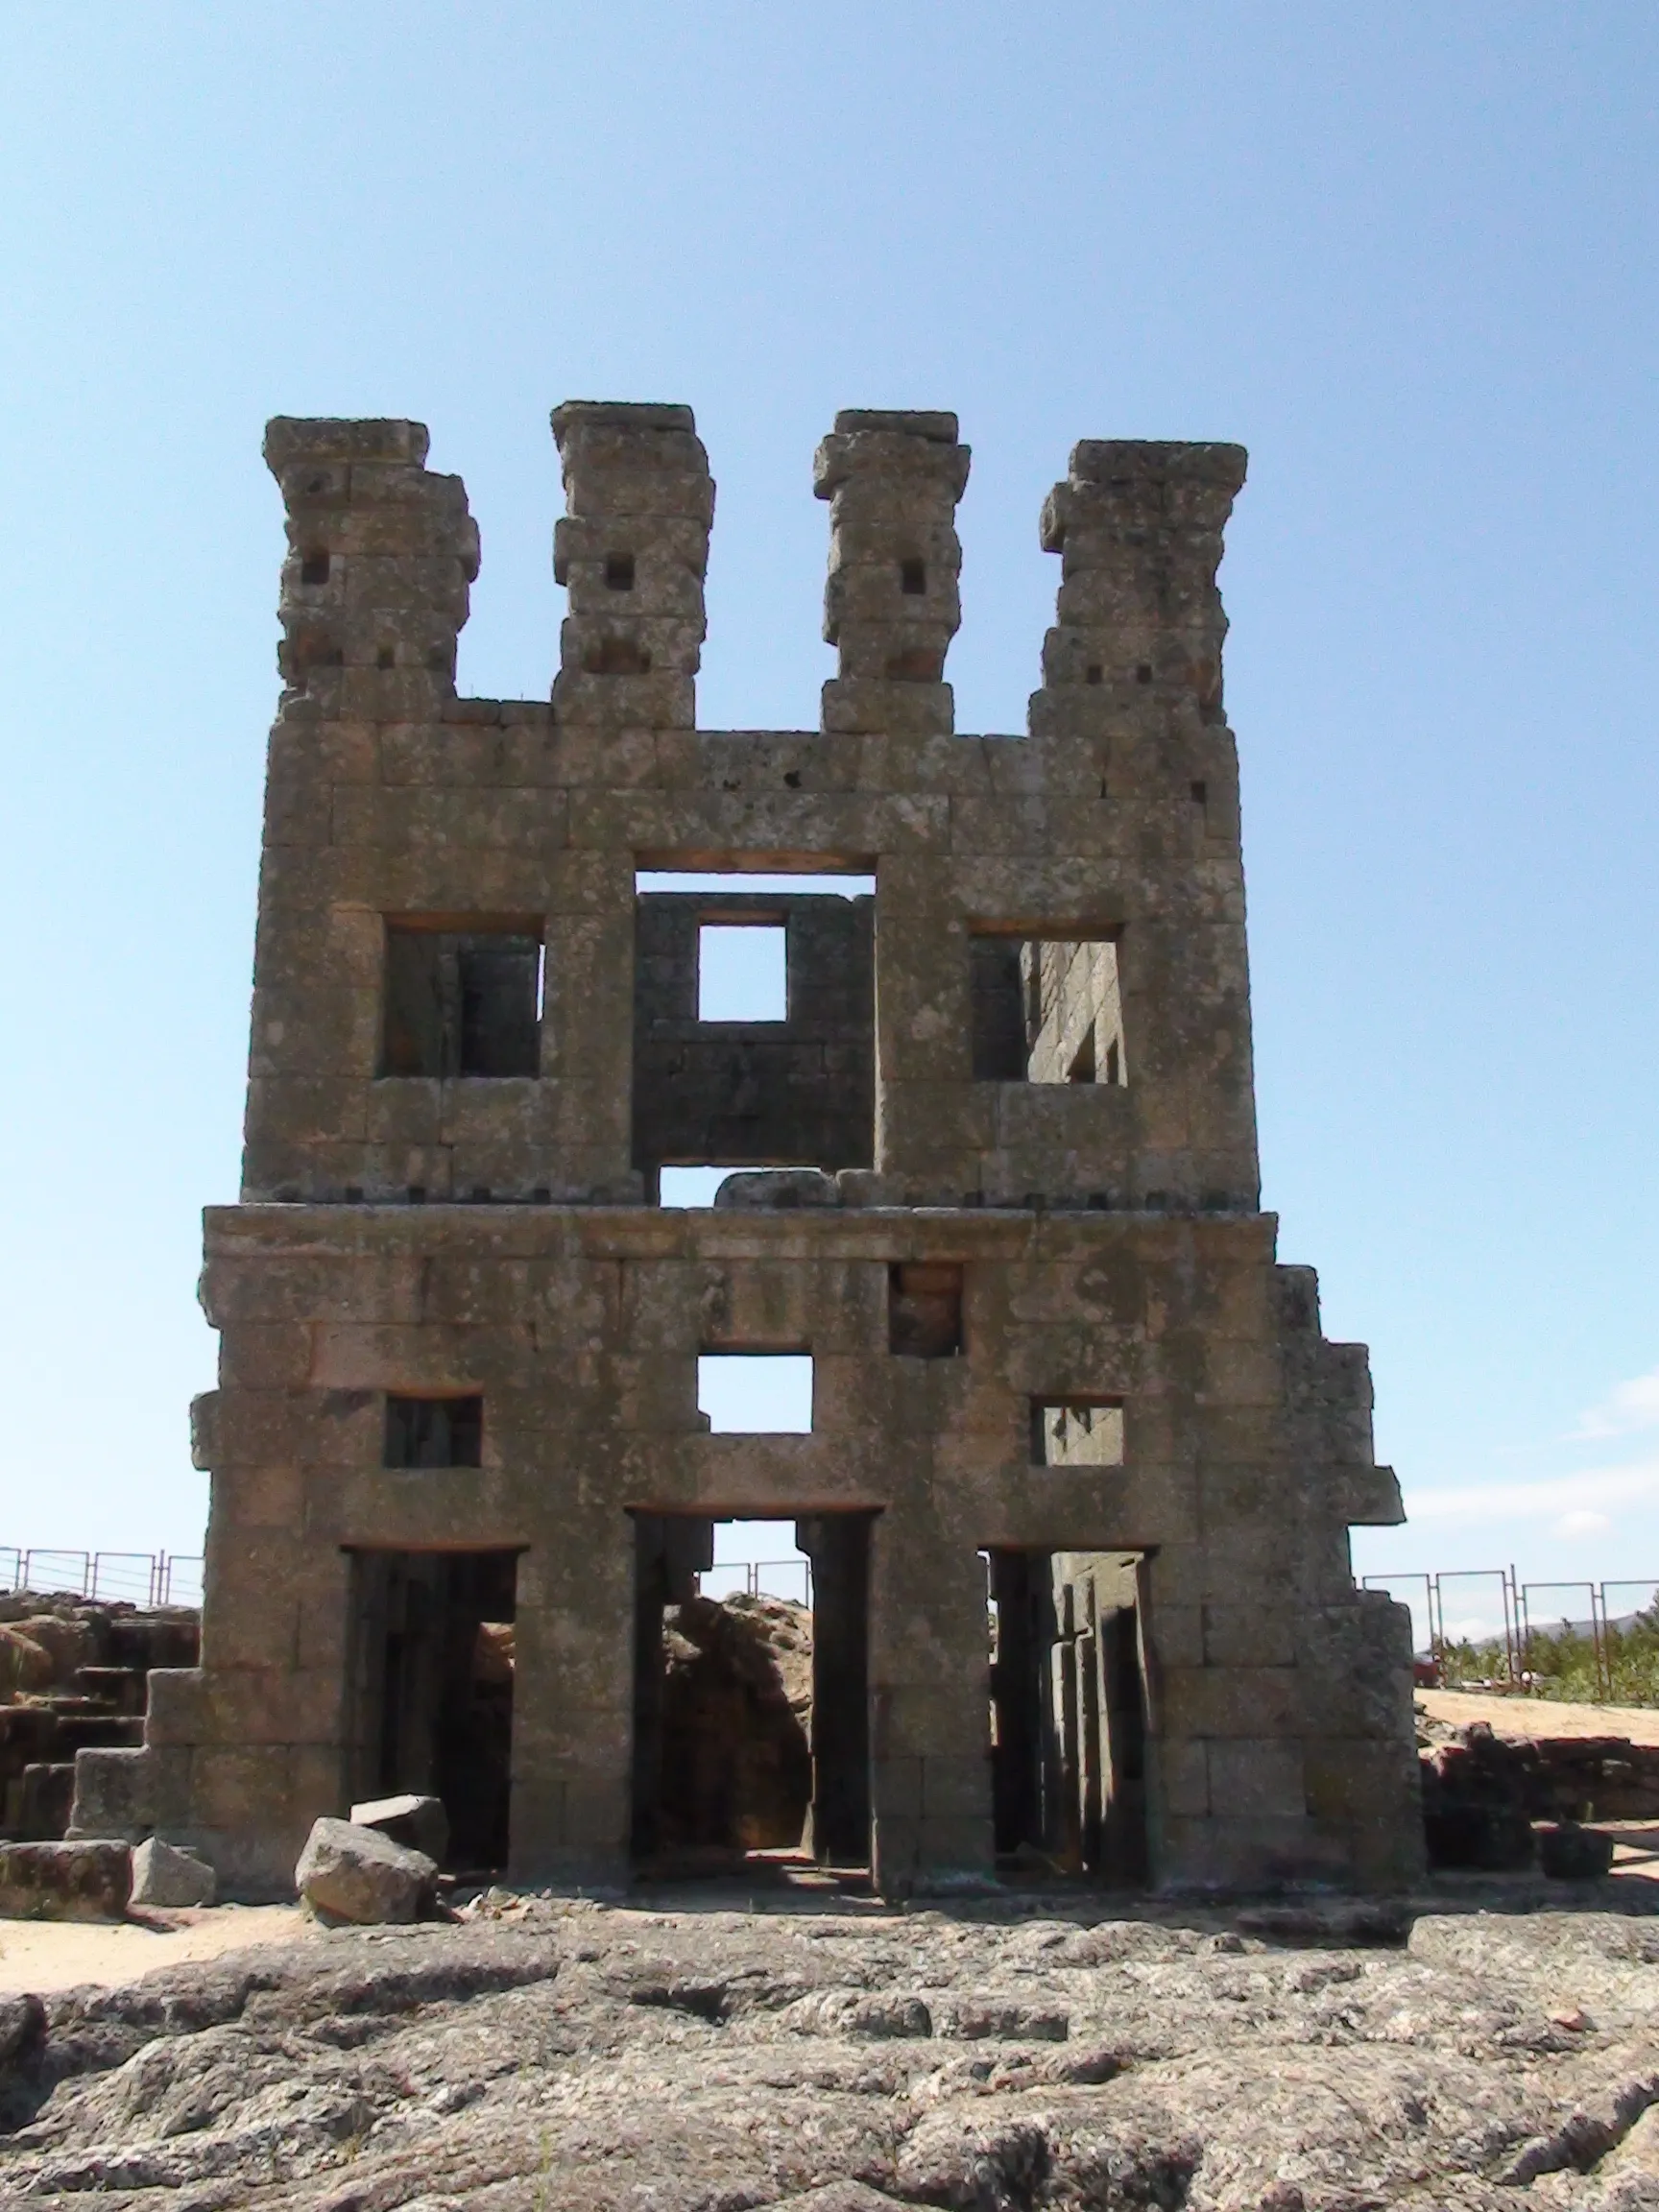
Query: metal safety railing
x=144, y=1579
x=1520, y=1620
x=788, y=1578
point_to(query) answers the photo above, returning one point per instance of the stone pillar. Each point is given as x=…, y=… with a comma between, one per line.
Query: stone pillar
x=631, y=550
x=890, y=604
x=671, y=1549
x=1020, y=1590
x=1138, y=527
x=929, y=1700
x=380, y=555
x=838, y=1546
x=572, y=1704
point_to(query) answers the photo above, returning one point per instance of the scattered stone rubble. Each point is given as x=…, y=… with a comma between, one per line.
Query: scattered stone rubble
x=73, y=1675
x=1483, y=1793
x=556, y=2054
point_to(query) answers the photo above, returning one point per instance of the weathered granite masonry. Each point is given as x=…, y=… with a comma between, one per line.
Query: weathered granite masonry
x=1043, y=1305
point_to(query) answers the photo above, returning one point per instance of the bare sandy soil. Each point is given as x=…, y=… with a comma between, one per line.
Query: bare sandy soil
x=43, y=1954
x=1538, y=1716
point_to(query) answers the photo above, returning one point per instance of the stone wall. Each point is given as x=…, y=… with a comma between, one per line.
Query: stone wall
x=1011, y=1238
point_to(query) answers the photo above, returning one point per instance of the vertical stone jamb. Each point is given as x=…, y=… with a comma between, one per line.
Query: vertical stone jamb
x=892, y=603
x=631, y=550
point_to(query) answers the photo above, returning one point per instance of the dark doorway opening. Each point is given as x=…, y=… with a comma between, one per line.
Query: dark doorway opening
x=1068, y=1713
x=751, y=1714
x=433, y=1652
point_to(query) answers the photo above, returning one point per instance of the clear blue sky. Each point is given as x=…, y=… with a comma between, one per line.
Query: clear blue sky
x=1406, y=256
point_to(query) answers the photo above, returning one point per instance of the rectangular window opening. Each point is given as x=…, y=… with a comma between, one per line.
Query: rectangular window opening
x=1077, y=1431
x=742, y=971
x=753, y=1020
x=462, y=1001
x=1045, y=1009
x=434, y=1431
x=755, y=1393
x=924, y=1310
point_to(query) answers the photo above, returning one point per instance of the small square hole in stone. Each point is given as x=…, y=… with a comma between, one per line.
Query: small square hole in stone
x=314, y=569
x=620, y=571
x=742, y=971
x=1077, y=1431
x=436, y=1431
x=913, y=579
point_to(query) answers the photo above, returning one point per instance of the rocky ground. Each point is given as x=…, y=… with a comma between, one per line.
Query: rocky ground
x=838, y=2056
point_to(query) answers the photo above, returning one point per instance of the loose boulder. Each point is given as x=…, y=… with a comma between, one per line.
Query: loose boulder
x=164, y=1876
x=83, y=1880
x=351, y=1874
x=1570, y=1853
x=419, y=1822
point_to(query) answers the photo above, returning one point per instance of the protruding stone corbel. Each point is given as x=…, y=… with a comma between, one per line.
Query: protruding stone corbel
x=380, y=555
x=1138, y=526
x=631, y=550
x=892, y=603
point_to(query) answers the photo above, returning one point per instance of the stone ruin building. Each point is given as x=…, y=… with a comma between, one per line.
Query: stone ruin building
x=1081, y=1465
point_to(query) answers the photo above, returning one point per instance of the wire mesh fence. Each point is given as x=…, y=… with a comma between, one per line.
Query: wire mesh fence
x=141, y=1579
x=1527, y=1638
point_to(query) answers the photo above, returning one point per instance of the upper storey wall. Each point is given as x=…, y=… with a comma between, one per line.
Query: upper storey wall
x=403, y=821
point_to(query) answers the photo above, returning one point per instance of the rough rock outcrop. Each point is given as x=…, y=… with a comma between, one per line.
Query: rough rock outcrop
x=736, y=1764
x=849, y=2060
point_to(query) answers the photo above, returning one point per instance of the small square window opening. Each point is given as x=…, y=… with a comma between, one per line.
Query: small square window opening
x=463, y=1002
x=742, y=973
x=1046, y=1009
x=1077, y=1431
x=755, y=1393
x=444, y=1432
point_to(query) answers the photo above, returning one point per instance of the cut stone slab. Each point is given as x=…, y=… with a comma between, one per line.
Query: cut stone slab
x=416, y=1821
x=347, y=1873
x=163, y=1875
x=1573, y=1854
x=83, y=1881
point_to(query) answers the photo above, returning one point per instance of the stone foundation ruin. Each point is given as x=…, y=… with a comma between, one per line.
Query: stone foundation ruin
x=1081, y=1465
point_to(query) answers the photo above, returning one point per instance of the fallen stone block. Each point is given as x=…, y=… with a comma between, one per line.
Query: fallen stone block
x=351, y=1874
x=83, y=1881
x=163, y=1875
x=779, y=1189
x=1573, y=1854
x=418, y=1822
